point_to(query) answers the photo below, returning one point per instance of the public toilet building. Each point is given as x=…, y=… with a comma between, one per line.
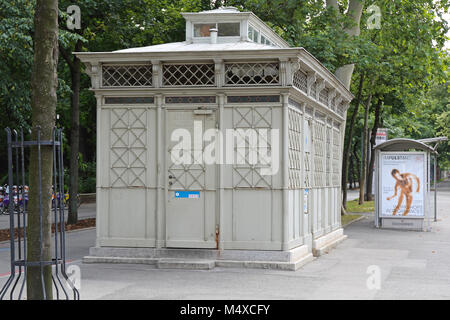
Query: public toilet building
x=232, y=77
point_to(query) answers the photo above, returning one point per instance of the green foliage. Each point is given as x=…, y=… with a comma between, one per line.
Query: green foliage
x=87, y=177
x=16, y=56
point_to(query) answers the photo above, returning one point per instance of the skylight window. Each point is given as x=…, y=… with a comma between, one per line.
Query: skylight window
x=202, y=29
x=229, y=29
x=224, y=29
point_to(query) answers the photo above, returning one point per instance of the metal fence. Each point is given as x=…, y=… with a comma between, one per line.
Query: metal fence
x=62, y=285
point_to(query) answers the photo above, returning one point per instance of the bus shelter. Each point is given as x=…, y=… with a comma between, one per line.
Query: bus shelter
x=403, y=184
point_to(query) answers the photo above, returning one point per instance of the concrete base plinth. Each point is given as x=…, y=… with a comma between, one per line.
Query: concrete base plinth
x=327, y=242
x=202, y=259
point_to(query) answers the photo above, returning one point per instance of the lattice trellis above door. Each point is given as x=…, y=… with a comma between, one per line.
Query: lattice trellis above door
x=128, y=145
x=246, y=174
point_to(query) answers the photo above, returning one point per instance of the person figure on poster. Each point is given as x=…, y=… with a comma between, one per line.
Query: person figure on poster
x=404, y=182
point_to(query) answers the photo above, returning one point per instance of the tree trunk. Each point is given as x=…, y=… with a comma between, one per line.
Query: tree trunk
x=44, y=82
x=364, y=142
x=376, y=125
x=347, y=146
x=344, y=73
x=357, y=162
x=354, y=12
x=75, y=70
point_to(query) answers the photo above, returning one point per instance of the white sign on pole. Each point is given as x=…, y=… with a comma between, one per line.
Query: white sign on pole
x=381, y=136
x=402, y=185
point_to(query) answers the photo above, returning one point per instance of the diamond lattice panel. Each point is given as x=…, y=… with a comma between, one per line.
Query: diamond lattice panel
x=336, y=157
x=323, y=96
x=188, y=75
x=294, y=152
x=128, y=147
x=252, y=74
x=247, y=174
x=328, y=177
x=314, y=90
x=319, y=156
x=127, y=76
x=300, y=80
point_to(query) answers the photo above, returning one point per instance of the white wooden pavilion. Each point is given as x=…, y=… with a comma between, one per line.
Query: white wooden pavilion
x=231, y=72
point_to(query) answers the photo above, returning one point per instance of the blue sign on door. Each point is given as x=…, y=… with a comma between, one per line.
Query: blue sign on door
x=187, y=194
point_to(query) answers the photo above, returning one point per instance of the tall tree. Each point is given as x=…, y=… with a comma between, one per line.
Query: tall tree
x=354, y=12
x=44, y=82
x=376, y=124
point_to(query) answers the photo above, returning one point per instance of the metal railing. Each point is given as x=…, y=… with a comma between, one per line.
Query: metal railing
x=61, y=283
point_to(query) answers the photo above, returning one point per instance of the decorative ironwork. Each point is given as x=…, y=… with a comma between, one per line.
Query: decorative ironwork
x=252, y=99
x=300, y=81
x=314, y=90
x=127, y=76
x=323, y=96
x=188, y=75
x=18, y=214
x=128, y=147
x=333, y=104
x=191, y=99
x=340, y=109
x=129, y=100
x=252, y=74
x=295, y=152
x=336, y=157
x=319, y=156
x=328, y=178
x=246, y=174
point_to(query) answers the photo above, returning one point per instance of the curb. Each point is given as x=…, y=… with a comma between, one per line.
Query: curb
x=349, y=223
x=69, y=231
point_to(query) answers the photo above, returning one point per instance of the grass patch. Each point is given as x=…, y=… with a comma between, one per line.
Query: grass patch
x=349, y=218
x=367, y=206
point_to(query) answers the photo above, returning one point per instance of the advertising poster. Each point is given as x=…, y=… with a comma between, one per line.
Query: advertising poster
x=402, y=185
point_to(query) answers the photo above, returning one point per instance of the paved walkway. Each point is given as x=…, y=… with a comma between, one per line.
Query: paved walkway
x=412, y=265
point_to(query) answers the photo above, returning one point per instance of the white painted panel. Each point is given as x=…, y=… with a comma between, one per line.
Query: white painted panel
x=253, y=215
x=127, y=213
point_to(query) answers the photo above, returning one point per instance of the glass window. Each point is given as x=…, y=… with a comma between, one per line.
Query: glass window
x=229, y=29
x=255, y=36
x=250, y=33
x=263, y=39
x=202, y=29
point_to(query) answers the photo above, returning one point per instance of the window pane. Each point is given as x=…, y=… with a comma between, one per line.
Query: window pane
x=250, y=33
x=202, y=30
x=255, y=36
x=229, y=29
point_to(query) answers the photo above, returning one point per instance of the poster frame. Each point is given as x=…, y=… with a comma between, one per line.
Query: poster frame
x=424, y=188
